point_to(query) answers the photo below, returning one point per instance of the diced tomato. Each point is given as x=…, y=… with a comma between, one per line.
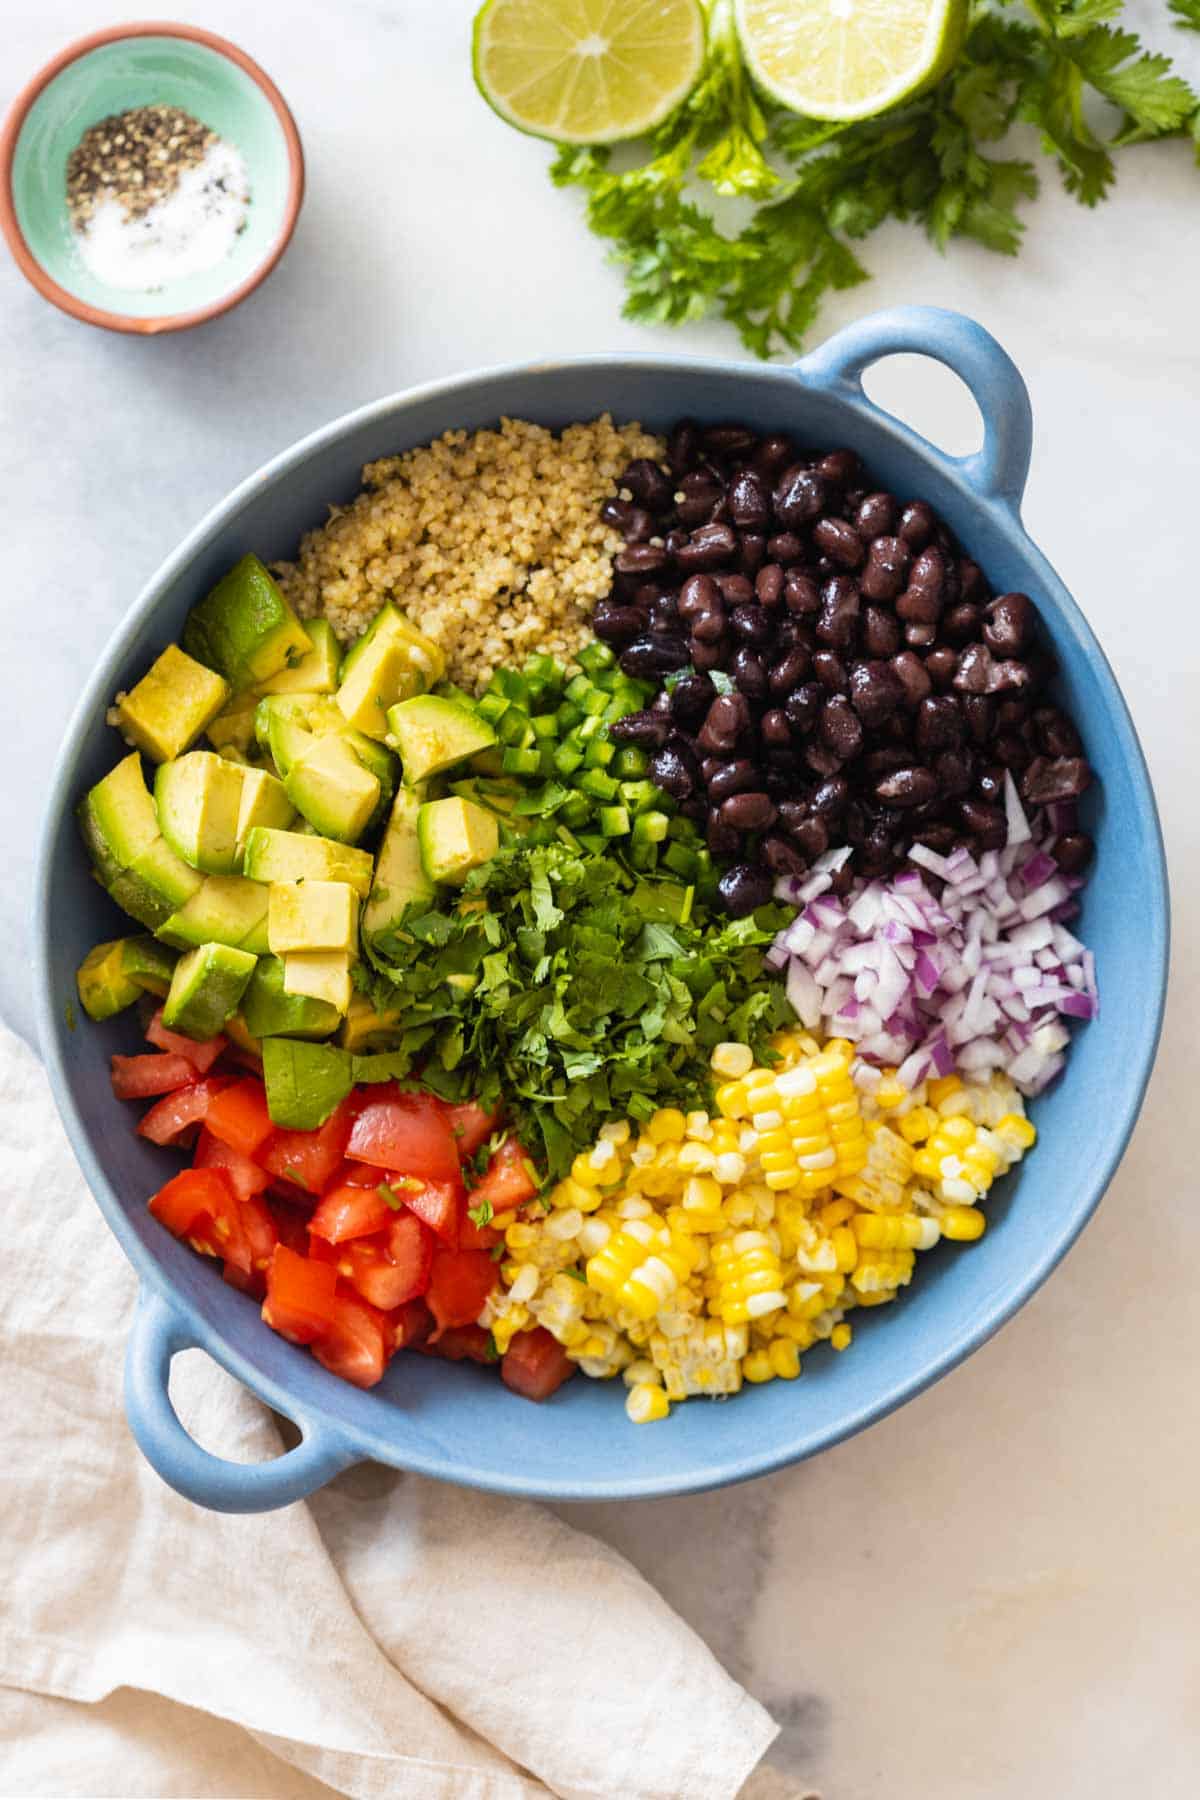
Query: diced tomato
x=244, y=1176
x=354, y=1345
x=463, y=1343
x=535, y=1364
x=411, y=1246
x=198, y=1205
x=202, y=1056
x=509, y=1180
x=438, y=1203
x=311, y=1159
x=409, y=1325
x=175, y=1114
x=301, y=1295
x=291, y=1222
x=459, y=1283
x=261, y=1237
x=388, y=1268
x=470, y=1235
x=239, y=1117
x=360, y=1174
x=141, y=1077
x=346, y=1211
x=405, y=1131
x=471, y=1126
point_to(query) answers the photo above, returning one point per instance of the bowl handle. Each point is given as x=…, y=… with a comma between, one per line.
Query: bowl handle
x=998, y=470
x=159, y=1334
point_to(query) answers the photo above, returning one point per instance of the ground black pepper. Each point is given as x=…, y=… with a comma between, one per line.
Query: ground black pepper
x=134, y=158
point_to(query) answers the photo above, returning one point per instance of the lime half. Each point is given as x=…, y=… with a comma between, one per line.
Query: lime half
x=848, y=59
x=587, y=71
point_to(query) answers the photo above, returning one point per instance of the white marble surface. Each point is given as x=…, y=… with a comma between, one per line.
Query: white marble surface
x=992, y=1595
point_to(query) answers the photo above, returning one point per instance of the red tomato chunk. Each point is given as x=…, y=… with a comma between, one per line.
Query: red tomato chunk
x=176, y=1114
x=509, y=1180
x=311, y=1159
x=239, y=1117
x=471, y=1126
x=459, y=1283
x=202, y=1056
x=407, y=1132
x=141, y=1077
x=535, y=1364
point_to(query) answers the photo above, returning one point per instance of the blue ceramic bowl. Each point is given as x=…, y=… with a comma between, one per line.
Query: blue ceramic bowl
x=457, y=1422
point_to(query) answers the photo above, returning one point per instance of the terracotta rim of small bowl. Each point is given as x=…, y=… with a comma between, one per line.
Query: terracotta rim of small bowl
x=28, y=264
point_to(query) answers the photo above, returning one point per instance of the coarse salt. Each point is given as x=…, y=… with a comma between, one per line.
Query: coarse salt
x=193, y=229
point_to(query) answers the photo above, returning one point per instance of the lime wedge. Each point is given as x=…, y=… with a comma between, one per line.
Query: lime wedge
x=848, y=59
x=587, y=71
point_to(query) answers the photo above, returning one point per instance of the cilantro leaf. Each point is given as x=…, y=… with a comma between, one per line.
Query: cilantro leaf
x=480, y=1215
x=1187, y=14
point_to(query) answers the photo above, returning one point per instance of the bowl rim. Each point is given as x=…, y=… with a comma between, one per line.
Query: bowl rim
x=10, y=132
x=794, y=1444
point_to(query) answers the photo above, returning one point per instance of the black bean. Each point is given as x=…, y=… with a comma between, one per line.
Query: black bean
x=801, y=495
x=691, y=697
x=1012, y=675
x=975, y=666
x=888, y=563
x=1009, y=624
x=721, y=838
x=674, y=541
x=1012, y=751
x=670, y=772
x=820, y=759
x=728, y=717
x=702, y=491
x=841, y=467
x=1073, y=852
x=647, y=730
x=768, y=584
x=752, y=624
x=940, y=724
x=828, y=800
x=708, y=547
x=788, y=671
x=1013, y=714
x=640, y=559
x=840, y=542
x=749, y=673
x=941, y=665
x=698, y=594
x=875, y=691
x=683, y=445
x=648, y=658
x=781, y=857
x=664, y=617
x=877, y=515
x=752, y=549
x=1055, y=778
x=960, y=624
x=917, y=524
x=616, y=624
x=616, y=511
x=730, y=440
x=732, y=778
x=753, y=811
x=987, y=823
x=709, y=627
x=800, y=593
x=749, y=502
x=694, y=809
x=884, y=758
x=785, y=547
x=980, y=713
x=736, y=589
x=661, y=703
x=830, y=671
x=917, y=637
x=955, y=771
x=1056, y=736
x=774, y=727
x=838, y=623
x=923, y=598
x=841, y=730
x=744, y=888
x=811, y=837
x=911, y=786
x=802, y=706
x=773, y=454
x=972, y=585
x=648, y=485
x=880, y=632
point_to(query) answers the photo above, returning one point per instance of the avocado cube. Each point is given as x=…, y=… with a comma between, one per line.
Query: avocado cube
x=316, y=673
x=455, y=836
x=433, y=734
x=104, y=987
x=297, y=856
x=244, y=628
x=311, y=915
x=264, y=803
x=364, y=1028
x=198, y=798
x=206, y=988
x=390, y=626
x=381, y=677
x=268, y=1011
x=332, y=789
x=400, y=878
x=233, y=727
x=170, y=706
x=226, y=909
x=118, y=819
x=319, y=975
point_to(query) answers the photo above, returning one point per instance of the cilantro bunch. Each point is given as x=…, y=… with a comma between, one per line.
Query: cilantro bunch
x=815, y=190
x=573, y=991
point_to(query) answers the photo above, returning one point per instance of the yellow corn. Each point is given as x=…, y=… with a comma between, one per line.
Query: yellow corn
x=840, y=1336
x=749, y=1277
x=667, y=1126
x=962, y=1224
x=645, y=1403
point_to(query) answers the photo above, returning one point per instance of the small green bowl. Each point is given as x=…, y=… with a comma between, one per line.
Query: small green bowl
x=110, y=72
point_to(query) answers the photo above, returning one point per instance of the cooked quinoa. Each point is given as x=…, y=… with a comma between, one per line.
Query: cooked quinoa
x=490, y=541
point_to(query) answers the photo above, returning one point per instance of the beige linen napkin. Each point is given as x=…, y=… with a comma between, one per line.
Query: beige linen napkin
x=391, y=1637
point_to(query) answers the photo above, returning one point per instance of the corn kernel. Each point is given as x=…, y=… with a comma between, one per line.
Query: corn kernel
x=840, y=1336
x=618, y=1132
x=695, y=1159
x=1018, y=1130
x=942, y=1087
x=757, y=1366
x=785, y=1358
x=667, y=1126
x=962, y=1224
x=732, y=1060
x=646, y=1403
x=641, y=1373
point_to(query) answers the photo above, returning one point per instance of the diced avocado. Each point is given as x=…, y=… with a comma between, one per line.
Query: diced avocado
x=399, y=876
x=264, y=803
x=331, y=788
x=378, y=761
x=206, y=988
x=233, y=727
x=244, y=628
x=433, y=734
x=392, y=627
x=171, y=705
x=316, y=673
x=268, y=1011
x=364, y=1028
x=198, y=799
x=319, y=975
x=118, y=819
x=305, y=1082
x=235, y=1030
x=148, y=963
x=311, y=915
x=226, y=909
x=381, y=676
x=495, y=796
x=280, y=731
x=297, y=856
x=104, y=987
x=455, y=836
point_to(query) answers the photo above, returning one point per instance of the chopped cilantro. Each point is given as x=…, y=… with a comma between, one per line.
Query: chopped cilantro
x=480, y=1215
x=493, y=1354
x=388, y=1194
